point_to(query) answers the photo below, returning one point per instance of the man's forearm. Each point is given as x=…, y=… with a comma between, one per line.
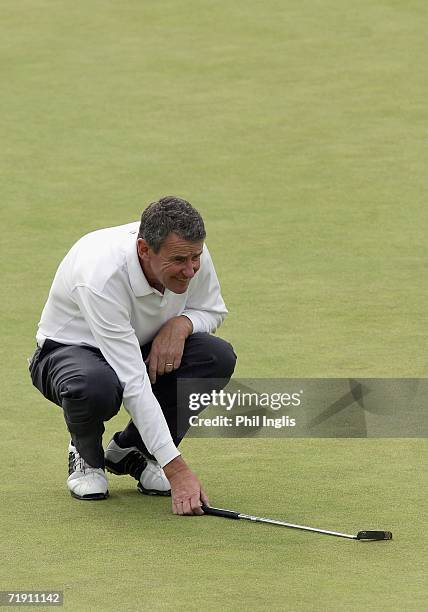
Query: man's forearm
x=204, y=321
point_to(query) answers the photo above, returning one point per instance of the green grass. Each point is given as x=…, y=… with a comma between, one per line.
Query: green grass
x=299, y=130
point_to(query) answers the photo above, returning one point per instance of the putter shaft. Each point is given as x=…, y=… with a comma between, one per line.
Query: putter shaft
x=361, y=535
x=259, y=519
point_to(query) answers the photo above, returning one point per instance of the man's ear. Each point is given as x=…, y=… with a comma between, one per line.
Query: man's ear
x=142, y=248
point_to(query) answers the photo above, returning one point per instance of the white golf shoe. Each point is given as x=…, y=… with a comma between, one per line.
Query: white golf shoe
x=84, y=481
x=151, y=477
x=153, y=480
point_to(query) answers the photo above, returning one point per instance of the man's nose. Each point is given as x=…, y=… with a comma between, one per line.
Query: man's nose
x=189, y=270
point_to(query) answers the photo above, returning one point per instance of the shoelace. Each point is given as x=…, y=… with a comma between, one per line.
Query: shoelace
x=76, y=463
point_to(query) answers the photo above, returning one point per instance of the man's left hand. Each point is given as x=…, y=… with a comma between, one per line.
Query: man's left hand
x=167, y=347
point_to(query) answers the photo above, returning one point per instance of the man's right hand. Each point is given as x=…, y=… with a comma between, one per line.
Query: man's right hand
x=186, y=491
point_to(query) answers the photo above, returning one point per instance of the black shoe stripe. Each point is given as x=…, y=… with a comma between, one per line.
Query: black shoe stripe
x=133, y=464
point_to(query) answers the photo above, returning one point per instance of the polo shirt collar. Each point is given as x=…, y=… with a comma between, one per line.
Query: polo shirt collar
x=139, y=283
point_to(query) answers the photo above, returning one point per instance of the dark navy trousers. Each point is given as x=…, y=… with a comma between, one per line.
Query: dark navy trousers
x=80, y=380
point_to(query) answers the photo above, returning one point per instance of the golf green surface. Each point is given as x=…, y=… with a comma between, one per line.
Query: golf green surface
x=299, y=130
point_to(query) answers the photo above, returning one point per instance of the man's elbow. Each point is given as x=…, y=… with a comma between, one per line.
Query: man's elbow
x=218, y=320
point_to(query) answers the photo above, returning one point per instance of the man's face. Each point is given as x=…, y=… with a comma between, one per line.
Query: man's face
x=173, y=266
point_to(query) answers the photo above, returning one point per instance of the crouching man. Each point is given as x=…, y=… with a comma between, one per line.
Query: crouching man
x=130, y=312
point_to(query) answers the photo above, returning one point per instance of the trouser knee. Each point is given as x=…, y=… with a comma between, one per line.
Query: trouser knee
x=225, y=357
x=211, y=355
x=88, y=400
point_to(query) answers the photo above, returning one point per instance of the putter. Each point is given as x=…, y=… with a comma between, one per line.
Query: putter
x=361, y=535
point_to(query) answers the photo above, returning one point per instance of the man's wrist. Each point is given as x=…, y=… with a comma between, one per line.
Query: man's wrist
x=186, y=324
x=175, y=466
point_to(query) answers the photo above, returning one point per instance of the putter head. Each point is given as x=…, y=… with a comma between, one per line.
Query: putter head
x=374, y=535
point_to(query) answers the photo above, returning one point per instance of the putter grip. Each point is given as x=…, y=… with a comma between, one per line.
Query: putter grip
x=220, y=512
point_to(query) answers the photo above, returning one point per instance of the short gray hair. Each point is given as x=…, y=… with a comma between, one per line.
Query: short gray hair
x=167, y=215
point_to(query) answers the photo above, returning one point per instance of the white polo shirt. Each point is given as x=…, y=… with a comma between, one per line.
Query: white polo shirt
x=100, y=297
